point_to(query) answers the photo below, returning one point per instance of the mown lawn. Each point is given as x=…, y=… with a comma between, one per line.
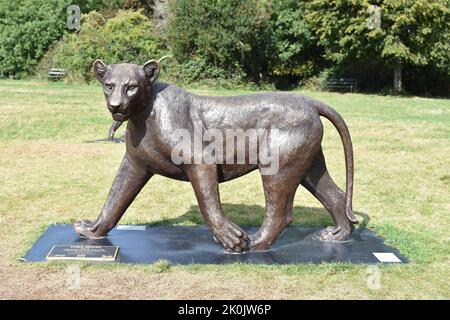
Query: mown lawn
x=49, y=174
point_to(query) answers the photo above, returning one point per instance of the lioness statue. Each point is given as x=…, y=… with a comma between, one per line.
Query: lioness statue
x=286, y=125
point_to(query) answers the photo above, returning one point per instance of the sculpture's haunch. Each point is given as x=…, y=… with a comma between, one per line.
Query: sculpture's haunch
x=155, y=111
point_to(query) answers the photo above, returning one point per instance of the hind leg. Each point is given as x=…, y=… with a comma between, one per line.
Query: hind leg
x=319, y=183
x=279, y=192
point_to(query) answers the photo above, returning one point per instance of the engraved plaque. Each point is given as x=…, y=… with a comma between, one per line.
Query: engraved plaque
x=83, y=253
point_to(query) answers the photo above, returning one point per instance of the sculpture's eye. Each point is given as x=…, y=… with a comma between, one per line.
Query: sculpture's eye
x=131, y=88
x=108, y=86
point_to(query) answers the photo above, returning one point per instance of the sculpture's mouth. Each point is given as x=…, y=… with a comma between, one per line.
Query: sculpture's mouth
x=120, y=116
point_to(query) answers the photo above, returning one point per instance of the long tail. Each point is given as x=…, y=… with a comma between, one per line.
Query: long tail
x=114, y=126
x=341, y=127
x=164, y=58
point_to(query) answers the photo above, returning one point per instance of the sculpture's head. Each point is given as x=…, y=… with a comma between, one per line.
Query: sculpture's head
x=127, y=87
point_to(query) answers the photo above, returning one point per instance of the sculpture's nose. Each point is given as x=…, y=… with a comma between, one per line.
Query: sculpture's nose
x=114, y=107
x=115, y=101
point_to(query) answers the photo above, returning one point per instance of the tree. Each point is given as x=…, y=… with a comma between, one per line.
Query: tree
x=217, y=37
x=413, y=33
x=156, y=10
x=292, y=52
x=127, y=37
x=27, y=29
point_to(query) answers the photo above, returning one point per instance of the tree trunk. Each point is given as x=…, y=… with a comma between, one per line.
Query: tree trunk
x=398, y=78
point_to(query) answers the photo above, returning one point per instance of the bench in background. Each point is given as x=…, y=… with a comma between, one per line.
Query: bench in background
x=56, y=74
x=342, y=83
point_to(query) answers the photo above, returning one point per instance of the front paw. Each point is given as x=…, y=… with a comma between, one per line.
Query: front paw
x=87, y=229
x=231, y=237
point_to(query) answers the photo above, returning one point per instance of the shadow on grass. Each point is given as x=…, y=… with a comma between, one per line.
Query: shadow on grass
x=253, y=215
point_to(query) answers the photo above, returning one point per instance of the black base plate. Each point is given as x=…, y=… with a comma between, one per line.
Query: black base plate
x=186, y=245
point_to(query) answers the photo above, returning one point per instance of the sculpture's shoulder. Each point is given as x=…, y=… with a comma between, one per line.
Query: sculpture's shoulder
x=170, y=93
x=170, y=103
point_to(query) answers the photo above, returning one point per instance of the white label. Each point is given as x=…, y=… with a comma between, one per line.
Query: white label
x=131, y=227
x=386, y=257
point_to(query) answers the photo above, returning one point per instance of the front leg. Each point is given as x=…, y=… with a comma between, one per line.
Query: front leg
x=204, y=180
x=128, y=182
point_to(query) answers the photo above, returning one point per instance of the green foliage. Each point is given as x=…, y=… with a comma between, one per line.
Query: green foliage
x=217, y=38
x=147, y=6
x=97, y=5
x=291, y=42
x=417, y=33
x=128, y=37
x=235, y=42
x=27, y=29
x=318, y=82
x=413, y=33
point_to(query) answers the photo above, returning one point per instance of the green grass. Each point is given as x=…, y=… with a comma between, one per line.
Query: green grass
x=49, y=174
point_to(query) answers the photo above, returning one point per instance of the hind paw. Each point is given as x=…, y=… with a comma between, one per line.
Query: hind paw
x=335, y=233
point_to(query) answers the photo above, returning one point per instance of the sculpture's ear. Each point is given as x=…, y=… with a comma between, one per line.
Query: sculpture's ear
x=151, y=69
x=99, y=69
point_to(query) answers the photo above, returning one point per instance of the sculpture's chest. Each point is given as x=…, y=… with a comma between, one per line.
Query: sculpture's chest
x=146, y=148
